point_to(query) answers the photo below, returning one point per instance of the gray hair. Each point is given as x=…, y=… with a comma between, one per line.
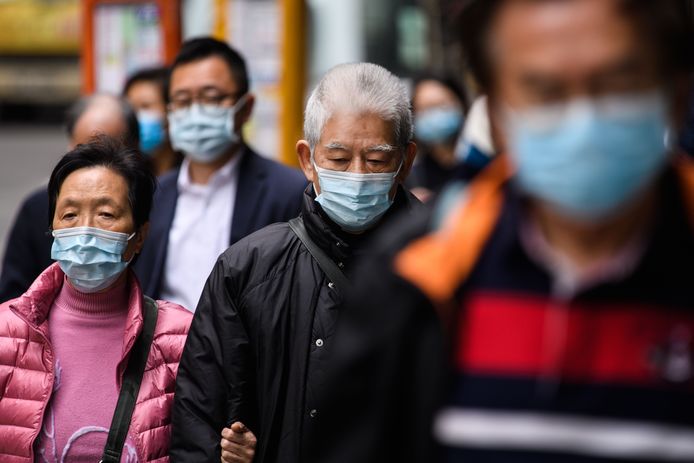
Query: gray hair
x=361, y=88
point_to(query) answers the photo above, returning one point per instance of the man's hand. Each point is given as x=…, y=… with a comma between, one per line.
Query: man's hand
x=238, y=444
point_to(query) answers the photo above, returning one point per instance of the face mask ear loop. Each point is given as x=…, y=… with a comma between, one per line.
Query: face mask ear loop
x=131, y=236
x=402, y=163
x=239, y=104
x=315, y=169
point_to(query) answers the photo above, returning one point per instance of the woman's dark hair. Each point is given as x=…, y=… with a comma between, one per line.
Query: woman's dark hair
x=667, y=22
x=158, y=76
x=205, y=47
x=104, y=151
x=447, y=81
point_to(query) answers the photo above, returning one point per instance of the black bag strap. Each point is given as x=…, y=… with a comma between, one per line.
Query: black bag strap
x=335, y=275
x=130, y=386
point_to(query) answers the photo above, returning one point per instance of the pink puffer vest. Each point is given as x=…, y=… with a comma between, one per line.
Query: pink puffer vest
x=26, y=369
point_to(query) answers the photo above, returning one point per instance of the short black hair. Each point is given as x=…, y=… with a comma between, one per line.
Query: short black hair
x=157, y=75
x=668, y=22
x=131, y=137
x=205, y=47
x=104, y=151
x=447, y=81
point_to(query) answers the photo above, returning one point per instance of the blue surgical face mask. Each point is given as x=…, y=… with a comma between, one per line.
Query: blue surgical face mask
x=91, y=258
x=204, y=132
x=152, y=133
x=354, y=201
x=589, y=157
x=438, y=125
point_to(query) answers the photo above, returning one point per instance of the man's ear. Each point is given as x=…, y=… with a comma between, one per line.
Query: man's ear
x=303, y=152
x=410, y=153
x=244, y=113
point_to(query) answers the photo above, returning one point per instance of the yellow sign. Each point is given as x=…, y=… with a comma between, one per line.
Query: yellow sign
x=38, y=27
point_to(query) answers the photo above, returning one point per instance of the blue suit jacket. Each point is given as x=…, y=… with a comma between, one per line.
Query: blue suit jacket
x=28, y=250
x=267, y=192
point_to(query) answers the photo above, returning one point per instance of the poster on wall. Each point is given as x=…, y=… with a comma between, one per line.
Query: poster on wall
x=127, y=38
x=254, y=29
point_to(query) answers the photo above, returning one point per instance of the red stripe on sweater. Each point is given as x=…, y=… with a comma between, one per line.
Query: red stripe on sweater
x=512, y=334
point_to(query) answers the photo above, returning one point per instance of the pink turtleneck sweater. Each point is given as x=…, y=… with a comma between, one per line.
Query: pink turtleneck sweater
x=86, y=332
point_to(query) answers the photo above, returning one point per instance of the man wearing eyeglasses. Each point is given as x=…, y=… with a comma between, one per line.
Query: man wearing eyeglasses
x=223, y=190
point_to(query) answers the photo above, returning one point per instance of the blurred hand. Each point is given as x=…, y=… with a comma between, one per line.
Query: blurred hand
x=238, y=444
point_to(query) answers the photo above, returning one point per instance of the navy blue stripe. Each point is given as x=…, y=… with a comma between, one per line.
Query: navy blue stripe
x=673, y=405
x=510, y=456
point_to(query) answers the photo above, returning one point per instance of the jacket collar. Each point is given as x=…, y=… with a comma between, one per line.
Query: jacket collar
x=337, y=243
x=665, y=244
x=35, y=304
x=251, y=189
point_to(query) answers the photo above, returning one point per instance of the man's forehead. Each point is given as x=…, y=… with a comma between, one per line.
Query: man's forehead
x=565, y=35
x=208, y=72
x=348, y=128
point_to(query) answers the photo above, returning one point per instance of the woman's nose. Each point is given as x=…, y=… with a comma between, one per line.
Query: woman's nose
x=86, y=220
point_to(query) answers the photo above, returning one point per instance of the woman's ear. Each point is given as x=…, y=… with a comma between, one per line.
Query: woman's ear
x=137, y=242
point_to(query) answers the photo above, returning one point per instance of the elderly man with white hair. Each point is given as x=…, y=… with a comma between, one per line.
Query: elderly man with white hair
x=259, y=346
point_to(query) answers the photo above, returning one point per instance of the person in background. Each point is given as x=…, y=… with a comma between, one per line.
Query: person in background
x=439, y=107
x=29, y=244
x=146, y=91
x=547, y=313
x=260, y=342
x=223, y=190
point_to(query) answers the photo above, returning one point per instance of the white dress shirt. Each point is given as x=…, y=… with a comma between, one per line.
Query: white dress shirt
x=200, y=232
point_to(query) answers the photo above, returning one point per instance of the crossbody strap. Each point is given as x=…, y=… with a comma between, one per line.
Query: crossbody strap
x=335, y=275
x=130, y=386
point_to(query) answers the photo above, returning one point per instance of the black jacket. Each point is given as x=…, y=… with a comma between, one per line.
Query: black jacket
x=258, y=346
x=28, y=251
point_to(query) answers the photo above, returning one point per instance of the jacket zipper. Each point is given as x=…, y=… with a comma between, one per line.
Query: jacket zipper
x=50, y=373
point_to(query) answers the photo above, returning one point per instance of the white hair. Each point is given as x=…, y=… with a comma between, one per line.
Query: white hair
x=359, y=88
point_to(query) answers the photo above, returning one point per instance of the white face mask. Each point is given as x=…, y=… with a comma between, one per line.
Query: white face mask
x=354, y=201
x=204, y=132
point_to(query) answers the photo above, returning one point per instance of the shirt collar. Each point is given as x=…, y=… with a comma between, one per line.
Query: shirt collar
x=223, y=175
x=568, y=280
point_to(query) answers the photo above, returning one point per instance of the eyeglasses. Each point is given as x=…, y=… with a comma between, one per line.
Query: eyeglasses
x=211, y=102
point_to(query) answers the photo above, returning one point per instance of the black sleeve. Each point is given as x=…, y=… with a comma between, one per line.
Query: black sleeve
x=215, y=374
x=387, y=375
x=28, y=251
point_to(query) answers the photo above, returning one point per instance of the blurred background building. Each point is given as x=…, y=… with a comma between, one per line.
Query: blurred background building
x=51, y=51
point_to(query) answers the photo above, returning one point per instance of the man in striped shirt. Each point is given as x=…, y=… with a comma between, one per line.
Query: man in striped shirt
x=559, y=285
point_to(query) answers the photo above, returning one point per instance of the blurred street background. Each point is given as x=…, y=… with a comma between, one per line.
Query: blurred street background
x=53, y=51
x=29, y=153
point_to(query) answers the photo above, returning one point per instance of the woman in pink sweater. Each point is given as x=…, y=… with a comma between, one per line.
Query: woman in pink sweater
x=66, y=344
